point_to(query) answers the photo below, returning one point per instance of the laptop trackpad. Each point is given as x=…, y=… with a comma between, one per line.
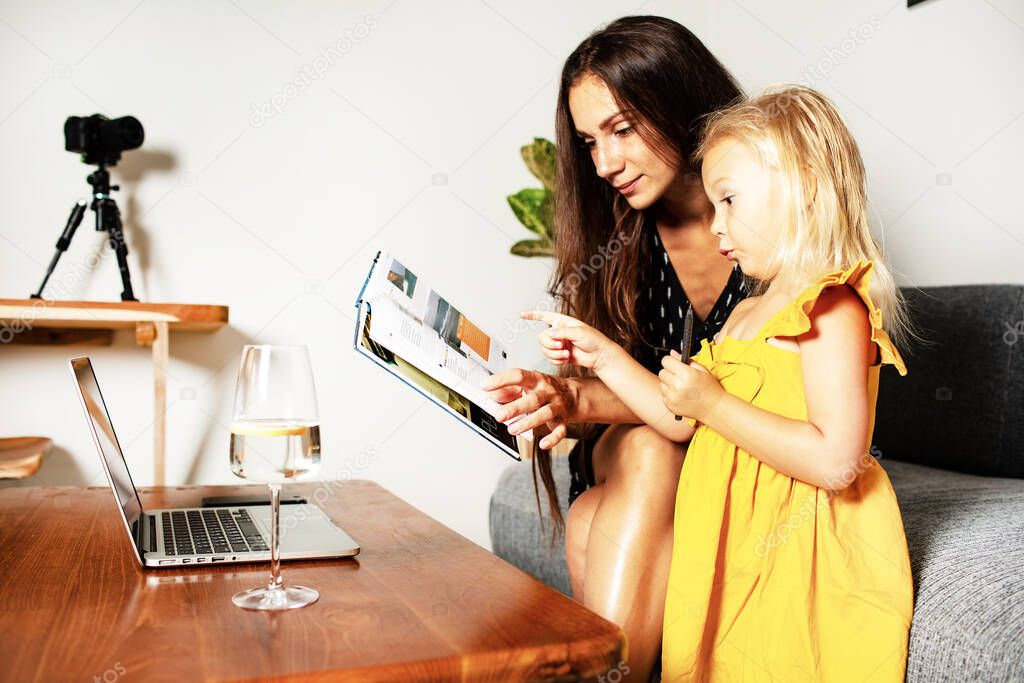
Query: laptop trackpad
x=304, y=528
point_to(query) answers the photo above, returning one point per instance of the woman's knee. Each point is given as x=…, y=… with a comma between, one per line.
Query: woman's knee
x=638, y=453
x=577, y=526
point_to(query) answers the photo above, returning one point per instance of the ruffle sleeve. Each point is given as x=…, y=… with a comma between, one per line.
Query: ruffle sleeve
x=794, y=319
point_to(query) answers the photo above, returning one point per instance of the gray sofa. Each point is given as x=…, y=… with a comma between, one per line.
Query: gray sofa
x=951, y=437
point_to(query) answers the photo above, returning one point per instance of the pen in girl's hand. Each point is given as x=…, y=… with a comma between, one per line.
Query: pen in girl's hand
x=687, y=339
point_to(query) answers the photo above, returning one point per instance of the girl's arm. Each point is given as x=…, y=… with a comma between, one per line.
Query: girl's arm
x=599, y=404
x=826, y=449
x=640, y=391
x=570, y=341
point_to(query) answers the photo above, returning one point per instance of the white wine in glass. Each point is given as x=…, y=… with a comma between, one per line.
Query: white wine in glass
x=275, y=437
x=274, y=451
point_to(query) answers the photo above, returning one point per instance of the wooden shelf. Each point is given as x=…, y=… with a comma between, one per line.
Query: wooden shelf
x=20, y=457
x=41, y=321
x=110, y=315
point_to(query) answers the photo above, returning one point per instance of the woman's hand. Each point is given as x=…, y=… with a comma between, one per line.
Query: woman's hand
x=687, y=389
x=542, y=400
x=570, y=341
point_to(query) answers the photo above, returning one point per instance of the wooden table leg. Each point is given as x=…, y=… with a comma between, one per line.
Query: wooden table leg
x=156, y=334
x=161, y=351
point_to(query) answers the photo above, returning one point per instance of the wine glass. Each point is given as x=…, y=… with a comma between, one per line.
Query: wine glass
x=275, y=436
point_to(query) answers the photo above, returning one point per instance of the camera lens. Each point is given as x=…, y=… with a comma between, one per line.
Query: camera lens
x=121, y=134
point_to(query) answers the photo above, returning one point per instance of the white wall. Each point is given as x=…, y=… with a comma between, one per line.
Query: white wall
x=277, y=216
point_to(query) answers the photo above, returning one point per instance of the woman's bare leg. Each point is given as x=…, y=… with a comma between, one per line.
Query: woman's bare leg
x=577, y=533
x=621, y=568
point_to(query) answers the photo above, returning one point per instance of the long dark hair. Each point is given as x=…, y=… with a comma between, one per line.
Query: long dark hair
x=662, y=73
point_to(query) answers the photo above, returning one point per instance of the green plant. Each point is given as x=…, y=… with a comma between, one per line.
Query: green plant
x=534, y=206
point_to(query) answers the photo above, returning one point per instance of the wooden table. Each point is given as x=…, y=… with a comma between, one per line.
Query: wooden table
x=41, y=321
x=418, y=603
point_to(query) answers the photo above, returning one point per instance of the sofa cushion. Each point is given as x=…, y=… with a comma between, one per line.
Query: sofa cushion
x=959, y=407
x=517, y=535
x=966, y=540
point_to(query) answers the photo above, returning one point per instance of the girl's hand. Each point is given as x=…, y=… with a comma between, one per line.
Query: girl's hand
x=570, y=341
x=687, y=389
x=546, y=403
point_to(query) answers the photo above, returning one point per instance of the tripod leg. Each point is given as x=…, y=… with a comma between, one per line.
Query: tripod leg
x=108, y=218
x=74, y=220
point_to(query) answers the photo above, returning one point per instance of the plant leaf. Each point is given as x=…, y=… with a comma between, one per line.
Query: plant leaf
x=540, y=158
x=541, y=247
x=532, y=206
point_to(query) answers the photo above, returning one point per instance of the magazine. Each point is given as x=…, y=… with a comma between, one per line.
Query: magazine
x=417, y=335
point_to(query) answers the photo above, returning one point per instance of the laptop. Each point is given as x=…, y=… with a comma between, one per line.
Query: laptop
x=190, y=536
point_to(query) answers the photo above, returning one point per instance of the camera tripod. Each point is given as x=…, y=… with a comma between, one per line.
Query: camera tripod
x=108, y=219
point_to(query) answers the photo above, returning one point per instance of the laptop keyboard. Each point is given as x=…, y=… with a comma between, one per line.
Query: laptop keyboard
x=216, y=530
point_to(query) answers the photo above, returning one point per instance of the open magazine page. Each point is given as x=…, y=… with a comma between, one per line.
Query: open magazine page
x=420, y=334
x=446, y=397
x=394, y=281
x=422, y=346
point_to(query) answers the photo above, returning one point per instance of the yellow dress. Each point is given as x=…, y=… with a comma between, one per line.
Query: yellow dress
x=773, y=579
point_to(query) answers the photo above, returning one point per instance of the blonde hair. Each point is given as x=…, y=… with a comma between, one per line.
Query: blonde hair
x=799, y=132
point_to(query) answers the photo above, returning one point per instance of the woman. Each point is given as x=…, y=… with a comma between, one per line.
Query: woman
x=634, y=253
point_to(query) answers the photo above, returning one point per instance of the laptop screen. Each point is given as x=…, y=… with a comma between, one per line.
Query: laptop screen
x=106, y=441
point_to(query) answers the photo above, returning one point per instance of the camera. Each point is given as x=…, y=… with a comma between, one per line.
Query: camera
x=101, y=140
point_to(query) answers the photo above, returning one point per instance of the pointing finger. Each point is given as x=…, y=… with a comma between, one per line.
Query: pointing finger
x=573, y=334
x=550, y=317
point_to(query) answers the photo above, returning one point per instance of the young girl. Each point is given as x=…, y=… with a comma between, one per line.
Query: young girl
x=789, y=560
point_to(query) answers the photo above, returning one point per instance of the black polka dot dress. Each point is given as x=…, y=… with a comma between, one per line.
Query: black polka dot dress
x=661, y=311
